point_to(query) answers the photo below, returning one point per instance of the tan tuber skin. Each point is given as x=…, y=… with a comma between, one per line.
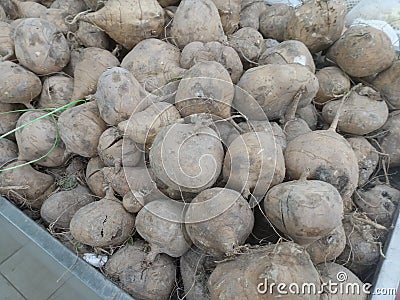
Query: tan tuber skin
x=362, y=244
x=218, y=221
x=367, y=157
x=187, y=157
x=196, y=20
x=195, y=52
x=58, y=17
x=142, y=280
x=254, y=162
x=91, y=64
x=378, y=203
x=128, y=22
x=102, y=223
x=319, y=151
x=205, y=88
x=3, y=16
x=244, y=276
x=161, y=224
x=309, y=114
x=6, y=43
x=29, y=9
x=329, y=247
x=274, y=20
x=86, y=117
x=195, y=268
x=95, y=178
x=18, y=84
x=37, y=139
x=72, y=6
x=119, y=95
x=40, y=47
x=143, y=126
x=251, y=12
x=57, y=91
x=90, y=35
x=322, y=26
x=229, y=11
x=247, y=42
x=333, y=82
x=134, y=201
x=8, y=121
x=390, y=141
x=273, y=87
x=154, y=63
x=58, y=209
x=329, y=275
x=8, y=151
x=388, y=83
x=295, y=126
x=364, y=111
x=128, y=179
x=25, y=185
x=305, y=210
x=116, y=151
x=288, y=52
x=362, y=51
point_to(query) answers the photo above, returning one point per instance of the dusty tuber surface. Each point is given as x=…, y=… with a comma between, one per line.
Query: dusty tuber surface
x=177, y=133
x=142, y=281
x=215, y=210
x=306, y=210
x=102, y=223
x=285, y=262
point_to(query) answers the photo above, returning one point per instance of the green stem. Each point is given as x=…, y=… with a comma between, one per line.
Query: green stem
x=43, y=156
x=57, y=137
x=52, y=112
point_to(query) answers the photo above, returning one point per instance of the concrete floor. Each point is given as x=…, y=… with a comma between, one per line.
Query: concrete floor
x=26, y=272
x=35, y=266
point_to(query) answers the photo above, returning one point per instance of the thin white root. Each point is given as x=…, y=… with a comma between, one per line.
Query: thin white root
x=335, y=121
x=77, y=17
x=372, y=223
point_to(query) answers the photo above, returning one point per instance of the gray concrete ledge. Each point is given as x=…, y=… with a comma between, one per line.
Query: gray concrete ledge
x=34, y=265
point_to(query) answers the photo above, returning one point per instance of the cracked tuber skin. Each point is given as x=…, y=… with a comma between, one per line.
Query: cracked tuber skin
x=102, y=223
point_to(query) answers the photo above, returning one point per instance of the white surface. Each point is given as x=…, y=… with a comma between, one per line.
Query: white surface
x=95, y=260
x=300, y=60
x=385, y=10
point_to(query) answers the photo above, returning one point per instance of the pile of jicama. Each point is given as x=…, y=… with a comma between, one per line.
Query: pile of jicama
x=203, y=148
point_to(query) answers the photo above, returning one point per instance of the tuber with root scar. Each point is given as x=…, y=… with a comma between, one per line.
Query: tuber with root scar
x=329, y=157
x=161, y=224
x=128, y=22
x=143, y=281
x=218, y=221
x=102, y=223
x=305, y=210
